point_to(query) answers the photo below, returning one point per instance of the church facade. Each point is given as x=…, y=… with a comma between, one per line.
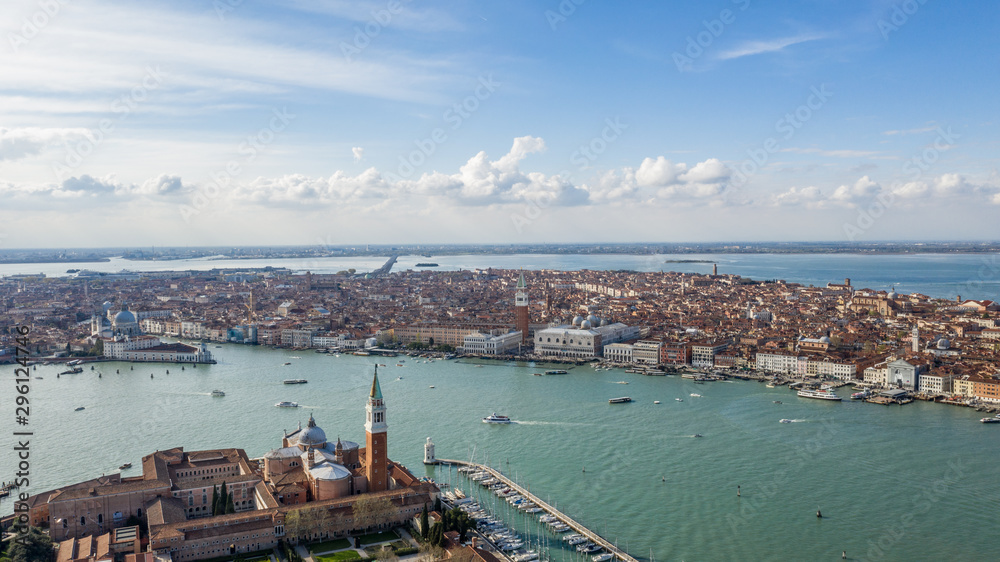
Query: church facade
x=307, y=474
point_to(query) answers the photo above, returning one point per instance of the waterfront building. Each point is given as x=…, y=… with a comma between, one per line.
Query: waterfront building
x=903, y=374
x=150, y=348
x=703, y=353
x=479, y=343
x=646, y=352
x=778, y=363
x=173, y=495
x=584, y=339
x=933, y=383
x=619, y=352
x=675, y=353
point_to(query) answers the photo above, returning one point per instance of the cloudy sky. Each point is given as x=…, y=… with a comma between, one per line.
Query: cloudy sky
x=353, y=121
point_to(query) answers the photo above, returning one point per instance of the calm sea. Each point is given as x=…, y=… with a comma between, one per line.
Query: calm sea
x=939, y=275
x=916, y=482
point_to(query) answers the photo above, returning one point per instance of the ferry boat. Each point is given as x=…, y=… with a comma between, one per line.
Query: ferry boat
x=295, y=381
x=218, y=393
x=496, y=418
x=286, y=404
x=995, y=419
x=821, y=394
x=860, y=395
x=622, y=400
x=557, y=372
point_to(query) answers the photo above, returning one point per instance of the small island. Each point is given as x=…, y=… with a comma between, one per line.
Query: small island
x=426, y=265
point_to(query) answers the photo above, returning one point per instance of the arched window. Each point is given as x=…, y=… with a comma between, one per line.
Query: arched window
x=83, y=521
x=100, y=518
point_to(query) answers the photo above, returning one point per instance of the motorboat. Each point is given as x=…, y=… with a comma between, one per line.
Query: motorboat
x=656, y=401
x=295, y=381
x=622, y=400
x=621, y=382
x=697, y=435
x=602, y=557
x=218, y=393
x=819, y=394
x=78, y=409
x=995, y=419
x=495, y=418
x=696, y=395
x=777, y=401
x=287, y=363
x=784, y=420
x=125, y=466
x=860, y=395
x=679, y=399
x=286, y=404
x=557, y=372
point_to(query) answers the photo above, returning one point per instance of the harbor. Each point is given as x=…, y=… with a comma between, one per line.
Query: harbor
x=547, y=509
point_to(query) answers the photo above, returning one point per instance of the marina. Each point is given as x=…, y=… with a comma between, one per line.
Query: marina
x=585, y=533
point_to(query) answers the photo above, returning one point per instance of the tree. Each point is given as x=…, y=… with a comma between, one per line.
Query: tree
x=215, y=499
x=294, y=524
x=220, y=506
x=424, y=523
x=31, y=546
x=230, y=506
x=369, y=512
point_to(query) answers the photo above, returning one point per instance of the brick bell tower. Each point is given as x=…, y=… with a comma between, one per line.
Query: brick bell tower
x=376, y=467
x=521, y=320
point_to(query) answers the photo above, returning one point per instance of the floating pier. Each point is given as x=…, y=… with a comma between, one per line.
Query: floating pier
x=577, y=527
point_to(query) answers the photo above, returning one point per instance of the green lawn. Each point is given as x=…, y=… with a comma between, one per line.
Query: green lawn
x=327, y=546
x=378, y=537
x=342, y=555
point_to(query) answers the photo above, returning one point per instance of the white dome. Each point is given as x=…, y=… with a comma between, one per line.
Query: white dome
x=577, y=320
x=824, y=339
x=594, y=320
x=943, y=343
x=124, y=317
x=311, y=435
x=585, y=325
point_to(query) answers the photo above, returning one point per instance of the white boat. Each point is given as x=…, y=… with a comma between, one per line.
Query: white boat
x=622, y=400
x=287, y=404
x=991, y=420
x=656, y=401
x=696, y=395
x=622, y=382
x=602, y=557
x=218, y=393
x=785, y=420
x=679, y=399
x=821, y=394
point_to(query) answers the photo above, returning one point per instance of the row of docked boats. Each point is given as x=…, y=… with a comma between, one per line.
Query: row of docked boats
x=509, y=542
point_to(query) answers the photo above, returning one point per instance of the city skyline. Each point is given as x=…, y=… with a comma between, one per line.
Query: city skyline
x=311, y=123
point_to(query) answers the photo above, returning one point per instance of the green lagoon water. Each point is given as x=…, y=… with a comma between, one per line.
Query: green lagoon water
x=917, y=482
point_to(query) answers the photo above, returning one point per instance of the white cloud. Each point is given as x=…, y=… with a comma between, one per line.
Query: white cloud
x=30, y=141
x=862, y=190
x=770, y=46
x=358, y=153
x=810, y=196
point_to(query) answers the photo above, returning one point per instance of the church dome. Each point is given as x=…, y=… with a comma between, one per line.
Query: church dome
x=824, y=339
x=124, y=317
x=312, y=434
x=577, y=320
x=943, y=343
x=585, y=325
x=594, y=320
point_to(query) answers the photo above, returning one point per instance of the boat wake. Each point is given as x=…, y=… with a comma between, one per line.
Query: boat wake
x=527, y=422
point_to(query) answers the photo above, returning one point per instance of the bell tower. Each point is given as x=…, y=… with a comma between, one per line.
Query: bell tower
x=521, y=320
x=376, y=465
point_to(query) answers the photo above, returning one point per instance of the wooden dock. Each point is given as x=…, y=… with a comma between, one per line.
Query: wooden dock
x=591, y=535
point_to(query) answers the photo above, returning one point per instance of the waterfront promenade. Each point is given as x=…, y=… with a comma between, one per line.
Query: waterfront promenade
x=577, y=527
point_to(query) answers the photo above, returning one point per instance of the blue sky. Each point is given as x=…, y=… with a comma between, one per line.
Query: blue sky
x=337, y=122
